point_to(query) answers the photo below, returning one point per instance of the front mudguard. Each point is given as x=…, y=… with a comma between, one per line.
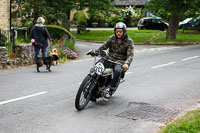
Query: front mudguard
x=94, y=81
x=95, y=86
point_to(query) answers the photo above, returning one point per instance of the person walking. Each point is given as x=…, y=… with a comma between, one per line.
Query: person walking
x=39, y=38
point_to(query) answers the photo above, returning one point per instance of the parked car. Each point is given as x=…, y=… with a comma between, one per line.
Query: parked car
x=189, y=21
x=152, y=23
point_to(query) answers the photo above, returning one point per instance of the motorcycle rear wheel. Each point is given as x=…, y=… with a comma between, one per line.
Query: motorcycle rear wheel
x=84, y=93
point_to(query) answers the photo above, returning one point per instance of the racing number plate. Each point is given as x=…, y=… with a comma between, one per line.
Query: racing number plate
x=99, y=68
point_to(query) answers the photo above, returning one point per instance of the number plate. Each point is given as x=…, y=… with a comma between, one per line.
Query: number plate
x=99, y=68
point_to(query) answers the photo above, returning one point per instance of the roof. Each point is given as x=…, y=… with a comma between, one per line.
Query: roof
x=131, y=2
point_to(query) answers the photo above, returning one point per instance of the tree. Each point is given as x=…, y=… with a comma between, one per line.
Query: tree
x=53, y=11
x=95, y=5
x=56, y=11
x=177, y=9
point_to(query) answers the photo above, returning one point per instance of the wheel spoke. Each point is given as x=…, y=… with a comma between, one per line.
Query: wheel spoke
x=85, y=94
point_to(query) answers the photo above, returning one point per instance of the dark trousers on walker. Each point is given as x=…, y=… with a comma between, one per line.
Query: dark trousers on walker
x=117, y=69
x=37, y=52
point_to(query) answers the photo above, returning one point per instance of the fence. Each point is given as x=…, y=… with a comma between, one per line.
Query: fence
x=7, y=39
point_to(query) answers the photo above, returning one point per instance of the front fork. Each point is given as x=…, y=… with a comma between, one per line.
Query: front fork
x=95, y=78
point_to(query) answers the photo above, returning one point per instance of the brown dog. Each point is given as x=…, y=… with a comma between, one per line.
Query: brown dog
x=54, y=52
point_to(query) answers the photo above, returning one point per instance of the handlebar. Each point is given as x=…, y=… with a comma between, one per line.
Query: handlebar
x=103, y=54
x=92, y=54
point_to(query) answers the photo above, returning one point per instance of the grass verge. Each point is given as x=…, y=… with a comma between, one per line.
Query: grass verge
x=189, y=123
x=139, y=36
x=183, y=38
x=142, y=36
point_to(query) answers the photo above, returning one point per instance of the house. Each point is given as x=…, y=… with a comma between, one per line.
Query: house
x=5, y=14
x=124, y=3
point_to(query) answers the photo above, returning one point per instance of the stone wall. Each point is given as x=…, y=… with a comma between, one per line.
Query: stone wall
x=3, y=57
x=23, y=55
x=5, y=14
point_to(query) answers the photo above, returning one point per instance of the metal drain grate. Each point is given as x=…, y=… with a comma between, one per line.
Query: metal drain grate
x=149, y=113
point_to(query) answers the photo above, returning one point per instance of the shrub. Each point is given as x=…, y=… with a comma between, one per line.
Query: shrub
x=5, y=42
x=63, y=41
x=114, y=19
x=80, y=17
x=127, y=14
x=97, y=17
x=64, y=50
x=58, y=32
x=28, y=23
x=3, y=38
x=21, y=37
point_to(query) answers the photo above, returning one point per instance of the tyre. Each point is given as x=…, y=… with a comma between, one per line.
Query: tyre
x=84, y=93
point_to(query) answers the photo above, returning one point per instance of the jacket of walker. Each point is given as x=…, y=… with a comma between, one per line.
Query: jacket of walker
x=40, y=33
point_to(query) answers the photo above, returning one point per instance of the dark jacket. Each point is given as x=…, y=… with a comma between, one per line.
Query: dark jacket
x=119, y=51
x=40, y=33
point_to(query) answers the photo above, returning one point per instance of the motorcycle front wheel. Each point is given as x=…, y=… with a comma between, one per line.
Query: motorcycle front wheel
x=84, y=93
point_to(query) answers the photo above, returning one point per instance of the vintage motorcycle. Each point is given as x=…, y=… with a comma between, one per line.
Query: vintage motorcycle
x=95, y=83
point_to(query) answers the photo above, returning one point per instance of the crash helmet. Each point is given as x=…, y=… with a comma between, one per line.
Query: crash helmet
x=120, y=25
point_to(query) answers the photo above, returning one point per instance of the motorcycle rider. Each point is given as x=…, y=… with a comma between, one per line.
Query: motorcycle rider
x=120, y=47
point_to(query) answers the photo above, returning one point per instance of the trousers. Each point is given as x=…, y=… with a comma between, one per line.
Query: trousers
x=37, y=52
x=117, y=69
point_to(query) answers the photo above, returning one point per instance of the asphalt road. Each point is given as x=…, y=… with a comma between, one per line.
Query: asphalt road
x=163, y=77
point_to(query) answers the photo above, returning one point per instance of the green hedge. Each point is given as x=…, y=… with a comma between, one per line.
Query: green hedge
x=80, y=17
x=58, y=32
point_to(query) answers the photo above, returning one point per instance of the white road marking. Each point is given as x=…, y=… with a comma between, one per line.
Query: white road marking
x=163, y=65
x=128, y=73
x=82, y=60
x=153, y=49
x=85, y=45
x=189, y=58
x=21, y=98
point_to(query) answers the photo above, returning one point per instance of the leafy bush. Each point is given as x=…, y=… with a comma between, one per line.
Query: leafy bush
x=97, y=17
x=3, y=38
x=94, y=17
x=64, y=50
x=28, y=23
x=131, y=15
x=21, y=37
x=127, y=14
x=63, y=41
x=58, y=32
x=5, y=42
x=114, y=19
x=80, y=17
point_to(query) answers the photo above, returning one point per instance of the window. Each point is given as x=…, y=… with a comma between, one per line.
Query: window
x=156, y=21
